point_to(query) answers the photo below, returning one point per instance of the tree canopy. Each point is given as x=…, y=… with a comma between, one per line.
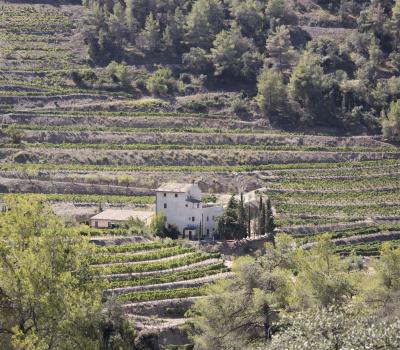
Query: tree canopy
x=288, y=297
x=48, y=298
x=320, y=81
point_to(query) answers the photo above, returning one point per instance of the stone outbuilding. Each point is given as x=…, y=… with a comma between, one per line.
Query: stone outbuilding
x=110, y=218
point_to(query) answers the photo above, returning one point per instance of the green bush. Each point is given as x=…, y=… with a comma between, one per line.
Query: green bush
x=158, y=82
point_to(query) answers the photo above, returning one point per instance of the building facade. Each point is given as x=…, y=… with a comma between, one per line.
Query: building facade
x=183, y=207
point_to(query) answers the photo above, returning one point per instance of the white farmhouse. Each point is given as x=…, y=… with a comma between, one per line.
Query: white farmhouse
x=183, y=207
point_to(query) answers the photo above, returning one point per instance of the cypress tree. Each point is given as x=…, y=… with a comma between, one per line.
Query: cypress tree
x=248, y=223
x=262, y=220
x=270, y=222
x=241, y=218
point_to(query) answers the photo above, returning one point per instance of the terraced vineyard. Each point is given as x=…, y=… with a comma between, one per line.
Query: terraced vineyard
x=155, y=281
x=357, y=204
x=88, y=145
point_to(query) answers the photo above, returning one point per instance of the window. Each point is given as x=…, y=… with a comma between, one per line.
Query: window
x=176, y=195
x=165, y=195
x=208, y=218
x=165, y=205
x=198, y=205
x=187, y=205
x=208, y=232
x=193, y=218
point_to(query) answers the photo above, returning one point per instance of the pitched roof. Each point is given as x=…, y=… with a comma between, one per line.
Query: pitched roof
x=122, y=215
x=174, y=187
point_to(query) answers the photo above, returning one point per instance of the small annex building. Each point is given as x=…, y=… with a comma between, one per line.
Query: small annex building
x=115, y=217
x=183, y=206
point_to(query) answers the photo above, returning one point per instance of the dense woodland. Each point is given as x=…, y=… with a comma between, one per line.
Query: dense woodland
x=261, y=48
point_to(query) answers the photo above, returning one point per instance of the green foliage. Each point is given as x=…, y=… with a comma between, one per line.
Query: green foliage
x=391, y=123
x=232, y=223
x=384, y=285
x=244, y=308
x=197, y=60
x=280, y=50
x=105, y=258
x=174, y=31
x=191, y=258
x=150, y=37
x=280, y=13
x=137, y=247
x=235, y=36
x=158, y=82
x=158, y=225
x=171, y=277
x=118, y=332
x=269, y=218
x=233, y=54
x=45, y=295
x=15, y=134
x=305, y=86
x=203, y=22
x=337, y=329
x=323, y=279
x=249, y=18
x=288, y=297
x=89, y=198
x=271, y=96
x=161, y=294
x=119, y=74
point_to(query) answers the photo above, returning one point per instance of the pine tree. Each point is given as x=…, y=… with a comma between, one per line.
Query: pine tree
x=391, y=123
x=174, y=32
x=150, y=36
x=280, y=50
x=204, y=22
x=131, y=21
x=395, y=25
x=271, y=95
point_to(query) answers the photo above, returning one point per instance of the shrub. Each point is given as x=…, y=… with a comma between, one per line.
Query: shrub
x=158, y=82
x=186, y=78
x=239, y=106
x=391, y=124
x=15, y=134
x=119, y=74
x=197, y=60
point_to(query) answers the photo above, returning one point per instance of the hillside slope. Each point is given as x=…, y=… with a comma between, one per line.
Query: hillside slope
x=88, y=145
